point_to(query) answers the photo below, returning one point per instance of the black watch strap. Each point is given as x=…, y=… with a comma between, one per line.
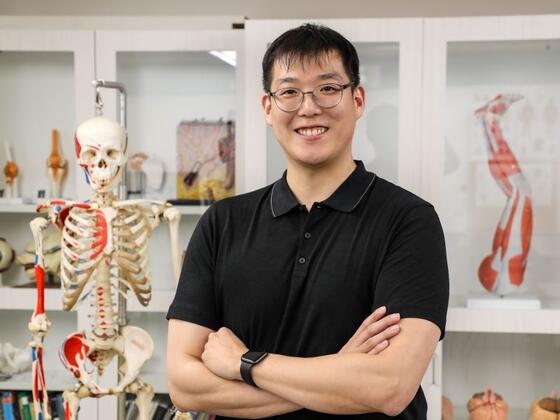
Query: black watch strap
x=248, y=360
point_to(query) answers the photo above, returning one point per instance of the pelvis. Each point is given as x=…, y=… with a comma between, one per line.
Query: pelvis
x=80, y=356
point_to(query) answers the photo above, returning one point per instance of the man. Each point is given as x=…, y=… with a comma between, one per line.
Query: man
x=285, y=276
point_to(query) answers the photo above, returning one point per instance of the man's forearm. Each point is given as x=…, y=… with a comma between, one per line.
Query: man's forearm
x=337, y=384
x=215, y=395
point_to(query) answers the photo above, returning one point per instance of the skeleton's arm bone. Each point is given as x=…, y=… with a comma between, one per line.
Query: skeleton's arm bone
x=39, y=323
x=172, y=215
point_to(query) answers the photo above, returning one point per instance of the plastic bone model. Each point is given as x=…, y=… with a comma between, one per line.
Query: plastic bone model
x=58, y=166
x=502, y=271
x=487, y=406
x=104, y=245
x=11, y=172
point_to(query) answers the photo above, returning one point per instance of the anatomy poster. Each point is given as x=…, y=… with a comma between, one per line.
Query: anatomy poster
x=205, y=161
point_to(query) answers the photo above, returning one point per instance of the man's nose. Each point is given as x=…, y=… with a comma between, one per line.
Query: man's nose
x=309, y=106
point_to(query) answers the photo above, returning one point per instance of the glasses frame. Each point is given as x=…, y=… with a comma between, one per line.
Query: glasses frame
x=310, y=92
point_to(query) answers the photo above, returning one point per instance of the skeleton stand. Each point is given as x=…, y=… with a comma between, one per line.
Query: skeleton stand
x=122, y=195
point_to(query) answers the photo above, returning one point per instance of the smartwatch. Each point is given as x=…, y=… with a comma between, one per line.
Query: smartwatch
x=248, y=360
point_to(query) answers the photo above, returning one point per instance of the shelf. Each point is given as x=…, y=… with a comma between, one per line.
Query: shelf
x=25, y=298
x=461, y=413
x=192, y=210
x=57, y=380
x=161, y=299
x=18, y=208
x=31, y=208
x=461, y=319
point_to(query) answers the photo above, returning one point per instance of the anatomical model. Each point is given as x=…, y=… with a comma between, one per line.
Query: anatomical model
x=13, y=360
x=545, y=409
x=58, y=166
x=502, y=271
x=11, y=171
x=7, y=256
x=104, y=246
x=487, y=406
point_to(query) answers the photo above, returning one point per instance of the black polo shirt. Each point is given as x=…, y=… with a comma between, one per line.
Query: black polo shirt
x=300, y=283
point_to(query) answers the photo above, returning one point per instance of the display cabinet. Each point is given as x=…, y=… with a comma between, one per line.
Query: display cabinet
x=387, y=135
x=467, y=63
x=44, y=77
x=171, y=77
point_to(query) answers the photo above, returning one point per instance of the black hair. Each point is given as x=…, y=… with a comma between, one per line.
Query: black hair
x=310, y=41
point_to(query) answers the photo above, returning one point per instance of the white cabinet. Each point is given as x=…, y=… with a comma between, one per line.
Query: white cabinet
x=387, y=137
x=170, y=76
x=467, y=62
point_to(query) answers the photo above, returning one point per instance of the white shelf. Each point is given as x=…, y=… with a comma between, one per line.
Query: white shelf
x=542, y=321
x=31, y=209
x=161, y=299
x=461, y=413
x=192, y=210
x=56, y=380
x=25, y=298
x=18, y=208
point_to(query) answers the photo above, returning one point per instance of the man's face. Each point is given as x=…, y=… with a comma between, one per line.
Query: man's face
x=314, y=136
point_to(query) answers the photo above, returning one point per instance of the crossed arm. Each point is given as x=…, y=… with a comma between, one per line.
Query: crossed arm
x=367, y=375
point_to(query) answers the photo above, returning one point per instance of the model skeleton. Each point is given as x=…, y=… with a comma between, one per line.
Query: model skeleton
x=104, y=246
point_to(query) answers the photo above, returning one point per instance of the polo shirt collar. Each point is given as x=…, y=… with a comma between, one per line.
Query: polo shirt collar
x=346, y=197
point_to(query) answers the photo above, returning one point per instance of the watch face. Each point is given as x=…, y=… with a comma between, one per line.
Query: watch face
x=253, y=356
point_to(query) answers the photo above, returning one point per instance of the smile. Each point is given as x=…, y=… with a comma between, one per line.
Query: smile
x=311, y=131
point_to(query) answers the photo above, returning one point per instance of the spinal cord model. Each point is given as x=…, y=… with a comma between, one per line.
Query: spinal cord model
x=104, y=246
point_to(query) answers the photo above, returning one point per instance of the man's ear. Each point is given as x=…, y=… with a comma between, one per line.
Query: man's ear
x=267, y=108
x=359, y=98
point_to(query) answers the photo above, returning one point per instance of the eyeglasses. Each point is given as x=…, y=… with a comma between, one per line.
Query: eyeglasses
x=326, y=96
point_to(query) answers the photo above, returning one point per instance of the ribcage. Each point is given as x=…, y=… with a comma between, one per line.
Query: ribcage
x=131, y=230
x=81, y=252
x=87, y=237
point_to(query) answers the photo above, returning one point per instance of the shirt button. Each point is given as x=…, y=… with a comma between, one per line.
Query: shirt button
x=318, y=206
x=307, y=235
x=301, y=260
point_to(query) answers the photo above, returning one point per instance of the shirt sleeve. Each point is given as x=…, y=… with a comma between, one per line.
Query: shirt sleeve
x=414, y=279
x=195, y=296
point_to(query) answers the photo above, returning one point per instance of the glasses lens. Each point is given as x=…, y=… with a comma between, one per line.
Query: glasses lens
x=328, y=96
x=288, y=99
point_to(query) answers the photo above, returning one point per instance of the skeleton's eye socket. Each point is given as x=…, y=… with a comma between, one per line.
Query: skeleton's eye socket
x=113, y=153
x=89, y=155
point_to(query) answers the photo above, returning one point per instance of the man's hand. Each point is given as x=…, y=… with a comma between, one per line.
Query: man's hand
x=373, y=335
x=222, y=354
x=223, y=350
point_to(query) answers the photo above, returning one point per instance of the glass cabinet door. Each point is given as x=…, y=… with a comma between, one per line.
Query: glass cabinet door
x=386, y=136
x=45, y=77
x=183, y=99
x=491, y=103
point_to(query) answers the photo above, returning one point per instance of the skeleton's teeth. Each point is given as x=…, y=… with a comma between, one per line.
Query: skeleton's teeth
x=311, y=131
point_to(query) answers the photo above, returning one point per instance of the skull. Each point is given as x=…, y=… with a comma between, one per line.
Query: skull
x=101, y=151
